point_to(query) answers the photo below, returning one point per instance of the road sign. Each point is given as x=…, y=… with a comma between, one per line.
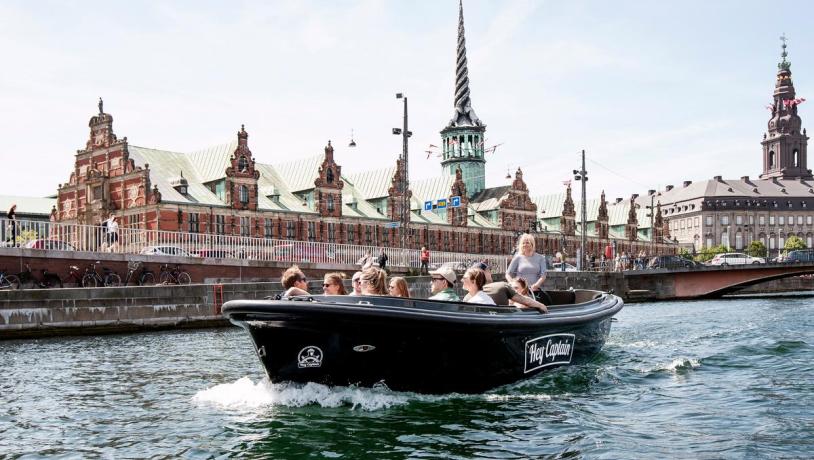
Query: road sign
x=442, y=203
x=428, y=205
x=392, y=225
x=455, y=202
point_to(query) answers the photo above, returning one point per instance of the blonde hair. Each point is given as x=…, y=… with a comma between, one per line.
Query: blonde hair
x=401, y=286
x=336, y=278
x=525, y=237
x=376, y=279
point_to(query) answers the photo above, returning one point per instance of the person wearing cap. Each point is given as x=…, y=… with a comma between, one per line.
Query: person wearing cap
x=356, y=283
x=443, y=280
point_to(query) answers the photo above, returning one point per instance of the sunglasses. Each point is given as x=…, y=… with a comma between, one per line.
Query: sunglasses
x=327, y=285
x=356, y=281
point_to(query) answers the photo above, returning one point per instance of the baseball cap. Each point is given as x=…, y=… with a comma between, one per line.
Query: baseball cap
x=447, y=273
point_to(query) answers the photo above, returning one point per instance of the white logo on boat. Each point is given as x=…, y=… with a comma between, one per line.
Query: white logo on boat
x=310, y=356
x=549, y=350
x=364, y=348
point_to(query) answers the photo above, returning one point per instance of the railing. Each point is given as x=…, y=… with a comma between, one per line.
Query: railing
x=90, y=238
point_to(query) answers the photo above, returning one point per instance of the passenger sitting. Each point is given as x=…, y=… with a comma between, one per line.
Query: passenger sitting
x=398, y=287
x=294, y=281
x=522, y=287
x=332, y=284
x=473, y=280
x=443, y=280
x=504, y=294
x=373, y=281
x=356, y=283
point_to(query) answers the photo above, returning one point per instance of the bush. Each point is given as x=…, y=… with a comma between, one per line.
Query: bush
x=794, y=243
x=756, y=249
x=706, y=254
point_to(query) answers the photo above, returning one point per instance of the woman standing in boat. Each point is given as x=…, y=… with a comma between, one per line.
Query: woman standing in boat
x=473, y=281
x=373, y=281
x=529, y=265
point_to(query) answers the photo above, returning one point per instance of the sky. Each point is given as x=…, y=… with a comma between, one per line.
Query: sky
x=655, y=92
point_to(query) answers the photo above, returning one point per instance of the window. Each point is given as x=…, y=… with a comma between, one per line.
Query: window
x=267, y=226
x=799, y=220
x=244, y=195
x=220, y=225
x=194, y=226
x=710, y=242
x=772, y=242
x=312, y=232
x=242, y=164
x=331, y=232
x=751, y=220
x=386, y=237
x=329, y=176
x=738, y=240
x=809, y=221
x=245, y=226
x=762, y=220
x=709, y=221
x=781, y=242
x=781, y=220
x=771, y=159
x=290, y=230
x=351, y=231
x=330, y=204
x=725, y=239
x=808, y=240
x=368, y=234
x=771, y=220
x=724, y=220
x=97, y=193
x=738, y=220
x=697, y=222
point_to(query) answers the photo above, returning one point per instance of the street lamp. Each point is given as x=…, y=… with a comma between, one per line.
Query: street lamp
x=405, y=185
x=582, y=176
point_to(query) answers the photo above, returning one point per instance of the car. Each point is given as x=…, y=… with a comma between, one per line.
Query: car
x=56, y=245
x=557, y=267
x=290, y=252
x=671, y=261
x=166, y=250
x=214, y=253
x=800, y=256
x=735, y=258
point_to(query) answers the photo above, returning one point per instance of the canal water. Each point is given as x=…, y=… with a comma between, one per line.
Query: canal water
x=730, y=378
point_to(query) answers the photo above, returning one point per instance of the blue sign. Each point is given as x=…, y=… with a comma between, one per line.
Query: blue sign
x=428, y=205
x=455, y=202
x=442, y=203
x=392, y=225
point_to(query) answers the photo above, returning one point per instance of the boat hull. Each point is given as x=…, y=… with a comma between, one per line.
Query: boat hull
x=414, y=349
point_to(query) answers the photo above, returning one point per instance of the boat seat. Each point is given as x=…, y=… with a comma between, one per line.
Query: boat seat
x=562, y=297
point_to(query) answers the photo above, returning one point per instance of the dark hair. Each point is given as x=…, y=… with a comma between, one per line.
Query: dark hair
x=336, y=278
x=523, y=284
x=477, y=276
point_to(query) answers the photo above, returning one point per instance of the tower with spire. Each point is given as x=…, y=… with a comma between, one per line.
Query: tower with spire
x=785, y=146
x=463, y=137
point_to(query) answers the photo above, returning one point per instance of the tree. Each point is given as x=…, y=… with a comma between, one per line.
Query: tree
x=756, y=249
x=792, y=243
x=706, y=254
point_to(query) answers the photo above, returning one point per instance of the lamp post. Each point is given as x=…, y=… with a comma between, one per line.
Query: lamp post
x=651, y=214
x=582, y=176
x=405, y=181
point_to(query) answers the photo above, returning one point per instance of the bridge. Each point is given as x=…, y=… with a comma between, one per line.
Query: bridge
x=705, y=282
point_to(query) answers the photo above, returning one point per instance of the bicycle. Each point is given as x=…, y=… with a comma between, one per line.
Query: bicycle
x=8, y=281
x=92, y=277
x=144, y=277
x=173, y=275
x=45, y=281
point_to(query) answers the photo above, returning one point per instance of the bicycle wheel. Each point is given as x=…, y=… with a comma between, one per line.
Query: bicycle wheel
x=89, y=280
x=146, y=278
x=112, y=279
x=166, y=278
x=10, y=282
x=184, y=278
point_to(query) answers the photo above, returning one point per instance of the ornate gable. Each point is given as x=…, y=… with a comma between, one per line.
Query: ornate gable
x=632, y=226
x=568, y=224
x=329, y=185
x=602, y=218
x=396, y=194
x=517, y=211
x=241, y=175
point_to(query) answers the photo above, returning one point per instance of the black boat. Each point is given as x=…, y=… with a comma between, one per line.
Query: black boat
x=421, y=345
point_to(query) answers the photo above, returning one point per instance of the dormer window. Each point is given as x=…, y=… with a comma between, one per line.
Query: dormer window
x=329, y=176
x=242, y=164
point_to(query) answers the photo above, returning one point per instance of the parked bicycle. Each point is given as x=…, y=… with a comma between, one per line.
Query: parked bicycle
x=45, y=280
x=93, y=278
x=74, y=276
x=8, y=281
x=173, y=275
x=138, y=272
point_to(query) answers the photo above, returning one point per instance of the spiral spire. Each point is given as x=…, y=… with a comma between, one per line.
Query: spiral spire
x=464, y=114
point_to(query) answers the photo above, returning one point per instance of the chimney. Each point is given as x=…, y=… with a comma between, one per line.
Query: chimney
x=668, y=188
x=618, y=200
x=718, y=178
x=745, y=179
x=687, y=183
x=651, y=192
x=634, y=196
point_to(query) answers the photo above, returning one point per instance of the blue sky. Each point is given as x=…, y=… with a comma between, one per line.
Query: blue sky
x=656, y=92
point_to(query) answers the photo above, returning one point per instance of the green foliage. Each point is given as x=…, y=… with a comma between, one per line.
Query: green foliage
x=706, y=254
x=792, y=243
x=25, y=236
x=684, y=253
x=756, y=249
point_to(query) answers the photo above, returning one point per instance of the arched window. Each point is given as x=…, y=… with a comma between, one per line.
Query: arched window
x=771, y=159
x=795, y=158
x=738, y=240
x=808, y=240
x=330, y=202
x=781, y=241
x=329, y=176
x=242, y=163
x=772, y=242
x=725, y=239
x=244, y=194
